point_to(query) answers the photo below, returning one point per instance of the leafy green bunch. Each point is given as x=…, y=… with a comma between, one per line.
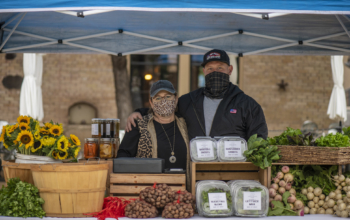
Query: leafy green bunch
x=331, y=140
x=20, y=199
x=260, y=153
x=292, y=137
x=281, y=208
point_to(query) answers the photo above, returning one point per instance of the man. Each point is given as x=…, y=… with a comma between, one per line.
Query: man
x=219, y=109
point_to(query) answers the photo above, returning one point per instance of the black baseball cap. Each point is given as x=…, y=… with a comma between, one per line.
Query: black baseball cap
x=216, y=55
x=161, y=85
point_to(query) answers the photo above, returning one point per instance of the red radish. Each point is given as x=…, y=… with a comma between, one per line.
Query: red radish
x=285, y=169
x=288, y=177
x=298, y=204
x=300, y=212
x=278, y=198
x=282, y=190
x=280, y=175
x=276, y=180
x=272, y=193
x=291, y=199
x=274, y=186
x=282, y=183
x=288, y=186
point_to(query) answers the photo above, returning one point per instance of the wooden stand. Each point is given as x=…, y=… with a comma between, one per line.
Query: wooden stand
x=130, y=185
x=226, y=171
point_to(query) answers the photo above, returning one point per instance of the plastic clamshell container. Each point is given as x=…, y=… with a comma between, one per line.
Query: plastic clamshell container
x=231, y=149
x=213, y=199
x=203, y=149
x=250, y=200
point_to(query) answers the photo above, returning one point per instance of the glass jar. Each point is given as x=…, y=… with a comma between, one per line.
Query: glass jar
x=103, y=127
x=115, y=143
x=95, y=128
x=105, y=148
x=116, y=124
x=91, y=148
x=109, y=126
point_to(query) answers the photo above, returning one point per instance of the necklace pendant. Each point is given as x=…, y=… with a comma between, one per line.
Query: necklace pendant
x=172, y=153
x=172, y=159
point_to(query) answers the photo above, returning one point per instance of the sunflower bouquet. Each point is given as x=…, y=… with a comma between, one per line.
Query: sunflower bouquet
x=29, y=138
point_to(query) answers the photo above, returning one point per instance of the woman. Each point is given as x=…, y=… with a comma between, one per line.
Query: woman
x=160, y=134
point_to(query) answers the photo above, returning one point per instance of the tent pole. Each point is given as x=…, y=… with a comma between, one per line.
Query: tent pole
x=327, y=47
x=271, y=48
x=9, y=22
x=210, y=37
x=31, y=35
x=149, y=37
x=268, y=37
x=29, y=46
x=13, y=29
x=91, y=36
x=152, y=48
x=341, y=23
x=90, y=48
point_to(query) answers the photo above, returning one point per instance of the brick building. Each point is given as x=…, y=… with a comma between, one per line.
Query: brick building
x=71, y=80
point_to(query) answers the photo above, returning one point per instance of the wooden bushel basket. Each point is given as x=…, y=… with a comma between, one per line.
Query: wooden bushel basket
x=70, y=190
x=20, y=170
x=314, y=155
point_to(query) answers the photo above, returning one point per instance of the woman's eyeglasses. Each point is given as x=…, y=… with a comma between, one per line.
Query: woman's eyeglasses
x=167, y=98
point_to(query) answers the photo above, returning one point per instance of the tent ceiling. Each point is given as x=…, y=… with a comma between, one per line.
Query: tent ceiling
x=179, y=32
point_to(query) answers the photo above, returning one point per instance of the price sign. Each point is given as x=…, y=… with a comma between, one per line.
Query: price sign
x=251, y=200
x=233, y=149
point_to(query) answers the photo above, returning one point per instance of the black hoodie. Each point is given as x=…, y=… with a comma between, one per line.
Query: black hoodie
x=237, y=115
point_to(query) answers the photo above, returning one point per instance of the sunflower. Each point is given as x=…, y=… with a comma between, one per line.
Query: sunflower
x=75, y=139
x=55, y=155
x=76, y=152
x=8, y=134
x=62, y=144
x=44, y=131
x=23, y=126
x=23, y=119
x=48, y=141
x=26, y=138
x=5, y=145
x=15, y=142
x=37, y=145
x=3, y=133
x=48, y=125
x=56, y=130
x=62, y=155
x=37, y=135
x=13, y=128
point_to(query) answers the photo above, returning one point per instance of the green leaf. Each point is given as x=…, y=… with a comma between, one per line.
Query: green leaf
x=277, y=209
x=285, y=197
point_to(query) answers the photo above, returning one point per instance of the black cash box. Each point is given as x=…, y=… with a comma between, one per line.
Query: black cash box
x=138, y=165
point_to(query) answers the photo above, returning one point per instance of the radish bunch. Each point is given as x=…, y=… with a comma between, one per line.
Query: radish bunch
x=340, y=197
x=281, y=183
x=318, y=203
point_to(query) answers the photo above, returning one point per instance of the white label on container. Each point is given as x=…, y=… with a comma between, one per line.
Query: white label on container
x=94, y=129
x=251, y=200
x=205, y=149
x=101, y=129
x=233, y=149
x=217, y=201
x=108, y=129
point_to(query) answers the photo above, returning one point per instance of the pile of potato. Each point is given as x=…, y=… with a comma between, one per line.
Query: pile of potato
x=158, y=196
x=177, y=210
x=140, y=209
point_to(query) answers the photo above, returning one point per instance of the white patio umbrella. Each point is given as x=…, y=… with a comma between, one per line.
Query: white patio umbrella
x=31, y=98
x=337, y=103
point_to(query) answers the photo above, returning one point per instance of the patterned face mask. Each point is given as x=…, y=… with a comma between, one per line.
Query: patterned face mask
x=164, y=108
x=216, y=84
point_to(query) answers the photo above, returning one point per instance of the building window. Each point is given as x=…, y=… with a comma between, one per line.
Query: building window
x=197, y=75
x=147, y=69
x=81, y=113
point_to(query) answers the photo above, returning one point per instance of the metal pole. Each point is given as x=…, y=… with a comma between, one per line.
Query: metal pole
x=13, y=29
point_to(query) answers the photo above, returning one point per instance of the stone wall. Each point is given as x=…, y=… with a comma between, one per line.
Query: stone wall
x=306, y=97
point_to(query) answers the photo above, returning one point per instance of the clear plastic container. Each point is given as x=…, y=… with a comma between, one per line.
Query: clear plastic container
x=231, y=149
x=203, y=149
x=213, y=199
x=250, y=199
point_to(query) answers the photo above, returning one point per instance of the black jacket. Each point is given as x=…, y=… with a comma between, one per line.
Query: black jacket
x=249, y=118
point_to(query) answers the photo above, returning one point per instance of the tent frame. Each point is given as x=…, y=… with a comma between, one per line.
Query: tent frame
x=170, y=43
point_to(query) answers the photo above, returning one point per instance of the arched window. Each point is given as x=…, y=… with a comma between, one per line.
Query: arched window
x=81, y=113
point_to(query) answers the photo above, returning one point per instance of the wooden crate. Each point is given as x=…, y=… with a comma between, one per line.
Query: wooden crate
x=226, y=171
x=130, y=185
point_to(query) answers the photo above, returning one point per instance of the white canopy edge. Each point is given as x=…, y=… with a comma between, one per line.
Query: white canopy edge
x=174, y=10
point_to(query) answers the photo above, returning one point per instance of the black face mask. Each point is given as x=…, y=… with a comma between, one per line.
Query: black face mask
x=216, y=84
